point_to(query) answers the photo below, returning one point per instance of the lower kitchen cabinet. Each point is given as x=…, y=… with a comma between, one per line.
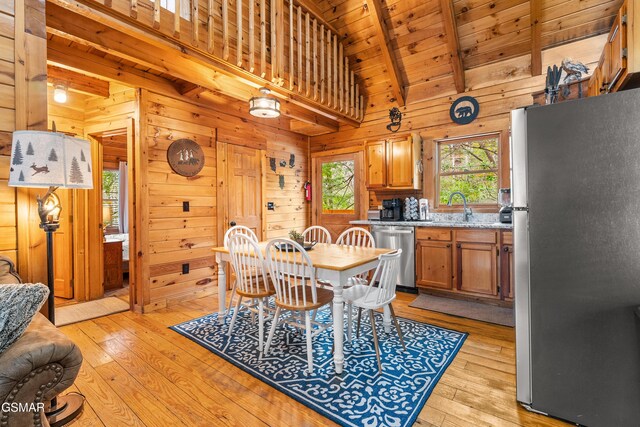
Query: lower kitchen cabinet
x=433, y=264
x=466, y=262
x=506, y=266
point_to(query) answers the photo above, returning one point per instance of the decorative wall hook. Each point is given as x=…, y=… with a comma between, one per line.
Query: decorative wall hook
x=396, y=120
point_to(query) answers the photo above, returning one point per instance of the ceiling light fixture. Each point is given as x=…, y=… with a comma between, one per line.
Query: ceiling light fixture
x=60, y=94
x=265, y=106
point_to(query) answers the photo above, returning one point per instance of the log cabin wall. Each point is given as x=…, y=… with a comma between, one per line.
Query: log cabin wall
x=170, y=237
x=22, y=106
x=499, y=88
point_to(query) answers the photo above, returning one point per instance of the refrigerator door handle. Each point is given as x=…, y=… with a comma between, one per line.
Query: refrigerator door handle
x=522, y=307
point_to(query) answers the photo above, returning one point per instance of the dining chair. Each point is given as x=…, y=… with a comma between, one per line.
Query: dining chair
x=245, y=231
x=294, y=278
x=317, y=233
x=357, y=236
x=371, y=297
x=252, y=281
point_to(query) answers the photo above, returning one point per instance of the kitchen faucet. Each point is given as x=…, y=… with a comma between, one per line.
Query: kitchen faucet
x=467, y=212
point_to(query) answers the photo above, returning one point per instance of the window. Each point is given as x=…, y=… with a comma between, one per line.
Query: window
x=111, y=200
x=470, y=166
x=338, y=192
x=170, y=5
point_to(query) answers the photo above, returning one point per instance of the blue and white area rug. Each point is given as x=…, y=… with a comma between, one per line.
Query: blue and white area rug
x=360, y=396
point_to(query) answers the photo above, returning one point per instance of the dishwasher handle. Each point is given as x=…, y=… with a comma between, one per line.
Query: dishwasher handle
x=393, y=231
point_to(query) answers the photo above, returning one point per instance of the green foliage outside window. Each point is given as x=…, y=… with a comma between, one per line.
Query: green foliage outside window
x=338, y=193
x=110, y=196
x=471, y=167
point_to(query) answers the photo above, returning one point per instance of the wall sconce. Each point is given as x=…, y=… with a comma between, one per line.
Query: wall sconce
x=60, y=94
x=396, y=120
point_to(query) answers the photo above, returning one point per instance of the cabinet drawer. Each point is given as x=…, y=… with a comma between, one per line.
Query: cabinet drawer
x=477, y=236
x=507, y=238
x=433, y=234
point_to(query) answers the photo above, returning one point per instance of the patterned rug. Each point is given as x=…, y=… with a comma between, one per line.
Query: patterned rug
x=359, y=396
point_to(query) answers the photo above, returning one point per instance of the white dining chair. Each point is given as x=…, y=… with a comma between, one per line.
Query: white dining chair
x=294, y=278
x=357, y=236
x=245, y=231
x=371, y=297
x=252, y=281
x=316, y=233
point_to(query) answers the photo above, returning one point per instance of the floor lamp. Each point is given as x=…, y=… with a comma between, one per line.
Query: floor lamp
x=52, y=160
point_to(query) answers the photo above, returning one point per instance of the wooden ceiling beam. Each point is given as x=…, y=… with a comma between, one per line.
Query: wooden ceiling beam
x=453, y=42
x=215, y=72
x=191, y=90
x=382, y=34
x=77, y=82
x=536, y=37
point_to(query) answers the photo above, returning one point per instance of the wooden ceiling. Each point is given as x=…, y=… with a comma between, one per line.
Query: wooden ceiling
x=422, y=39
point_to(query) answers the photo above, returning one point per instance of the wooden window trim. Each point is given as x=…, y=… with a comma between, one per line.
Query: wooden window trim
x=477, y=207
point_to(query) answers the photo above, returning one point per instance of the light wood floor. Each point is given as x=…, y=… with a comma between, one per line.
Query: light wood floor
x=137, y=372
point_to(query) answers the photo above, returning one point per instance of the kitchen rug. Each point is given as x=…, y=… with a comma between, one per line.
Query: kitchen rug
x=360, y=396
x=469, y=309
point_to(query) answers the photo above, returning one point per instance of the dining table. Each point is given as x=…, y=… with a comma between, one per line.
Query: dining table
x=334, y=264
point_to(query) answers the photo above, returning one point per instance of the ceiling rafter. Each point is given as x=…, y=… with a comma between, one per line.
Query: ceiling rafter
x=77, y=82
x=382, y=34
x=451, y=32
x=536, y=37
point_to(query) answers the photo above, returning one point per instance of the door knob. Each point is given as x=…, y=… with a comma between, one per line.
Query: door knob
x=232, y=223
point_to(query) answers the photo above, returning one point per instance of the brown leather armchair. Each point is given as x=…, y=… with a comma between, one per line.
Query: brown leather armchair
x=34, y=369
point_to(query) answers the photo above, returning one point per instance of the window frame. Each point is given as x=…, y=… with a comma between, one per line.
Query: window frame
x=338, y=211
x=112, y=229
x=457, y=206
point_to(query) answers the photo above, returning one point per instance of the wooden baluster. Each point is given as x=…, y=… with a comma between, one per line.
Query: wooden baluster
x=291, y=42
x=252, y=36
x=211, y=26
x=322, y=63
x=352, y=91
x=336, y=76
x=274, y=48
x=307, y=52
x=341, y=71
x=133, y=11
x=280, y=52
x=347, y=88
x=315, y=59
x=195, y=21
x=299, y=35
x=156, y=14
x=361, y=107
x=357, y=101
x=225, y=30
x=329, y=68
x=263, y=38
x=176, y=19
x=239, y=33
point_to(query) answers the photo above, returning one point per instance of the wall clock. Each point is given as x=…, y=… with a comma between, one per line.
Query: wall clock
x=464, y=110
x=185, y=157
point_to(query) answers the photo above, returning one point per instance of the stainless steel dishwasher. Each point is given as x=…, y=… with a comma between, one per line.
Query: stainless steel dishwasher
x=399, y=237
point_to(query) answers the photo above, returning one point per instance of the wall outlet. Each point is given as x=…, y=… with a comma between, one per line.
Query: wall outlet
x=185, y=268
x=271, y=206
x=185, y=206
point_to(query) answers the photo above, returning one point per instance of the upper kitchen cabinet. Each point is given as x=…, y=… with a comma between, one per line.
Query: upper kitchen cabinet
x=394, y=163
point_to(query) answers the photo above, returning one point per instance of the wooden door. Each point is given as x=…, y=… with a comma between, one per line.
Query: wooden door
x=63, y=248
x=338, y=191
x=433, y=264
x=477, y=268
x=244, y=183
x=376, y=164
x=400, y=163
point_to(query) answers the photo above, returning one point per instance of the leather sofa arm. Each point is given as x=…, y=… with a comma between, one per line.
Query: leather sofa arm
x=34, y=369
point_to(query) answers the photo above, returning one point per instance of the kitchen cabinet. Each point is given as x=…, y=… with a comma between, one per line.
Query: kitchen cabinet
x=507, y=284
x=466, y=262
x=595, y=82
x=394, y=163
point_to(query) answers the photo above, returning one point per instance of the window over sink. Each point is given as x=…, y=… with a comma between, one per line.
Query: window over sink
x=338, y=189
x=469, y=165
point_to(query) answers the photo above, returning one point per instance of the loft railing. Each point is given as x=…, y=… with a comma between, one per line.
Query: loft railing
x=278, y=40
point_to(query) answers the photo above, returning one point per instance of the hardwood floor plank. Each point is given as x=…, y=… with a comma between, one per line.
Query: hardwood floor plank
x=91, y=352
x=88, y=417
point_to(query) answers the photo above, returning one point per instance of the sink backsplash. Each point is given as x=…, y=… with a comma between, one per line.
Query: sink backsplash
x=456, y=217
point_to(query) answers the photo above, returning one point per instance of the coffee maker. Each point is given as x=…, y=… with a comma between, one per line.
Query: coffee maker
x=391, y=210
x=506, y=207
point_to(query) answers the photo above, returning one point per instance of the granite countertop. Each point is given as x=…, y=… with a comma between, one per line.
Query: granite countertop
x=477, y=220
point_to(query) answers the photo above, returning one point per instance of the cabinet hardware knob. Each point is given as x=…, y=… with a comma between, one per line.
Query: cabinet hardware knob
x=232, y=223
x=458, y=246
x=506, y=249
x=449, y=245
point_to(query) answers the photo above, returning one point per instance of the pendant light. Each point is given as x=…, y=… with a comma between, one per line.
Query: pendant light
x=265, y=106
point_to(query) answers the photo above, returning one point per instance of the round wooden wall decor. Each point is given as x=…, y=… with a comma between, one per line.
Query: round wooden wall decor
x=185, y=157
x=464, y=110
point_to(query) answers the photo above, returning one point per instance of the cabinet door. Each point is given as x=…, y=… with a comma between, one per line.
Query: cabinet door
x=595, y=83
x=506, y=272
x=400, y=164
x=433, y=264
x=112, y=265
x=616, y=48
x=477, y=268
x=376, y=164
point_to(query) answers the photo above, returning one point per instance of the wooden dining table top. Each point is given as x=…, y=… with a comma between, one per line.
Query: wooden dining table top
x=331, y=256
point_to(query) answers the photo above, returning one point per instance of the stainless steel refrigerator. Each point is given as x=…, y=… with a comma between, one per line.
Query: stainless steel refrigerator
x=576, y=194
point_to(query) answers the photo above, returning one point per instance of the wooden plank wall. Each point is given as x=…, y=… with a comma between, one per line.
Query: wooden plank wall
x=499, y=88
x=174, y=237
